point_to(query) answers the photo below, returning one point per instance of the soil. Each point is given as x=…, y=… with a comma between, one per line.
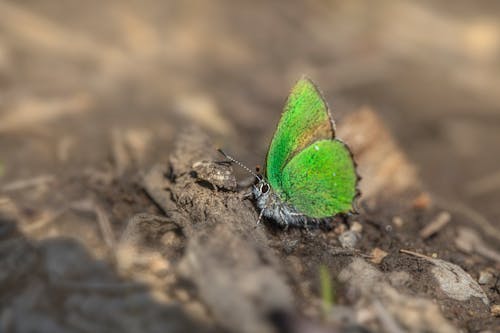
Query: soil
x=116, y=215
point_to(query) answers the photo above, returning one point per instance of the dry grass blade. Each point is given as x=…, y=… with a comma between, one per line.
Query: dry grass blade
x=474, y=216
x=105, y=226
x=45, y=219
x=40, y=31
x=23, y=184
x=386, y=319
x=121, y=157
x=90, y=206
x=435, y=225
x=469, y=241
x=204, y=111
x=484, y=185
x=34, y=112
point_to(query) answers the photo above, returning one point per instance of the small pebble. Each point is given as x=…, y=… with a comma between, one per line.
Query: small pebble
x=377, y=255
x=339, y=229
x=158, y=265
x=197, y=311
x=397, y=221
x=423, y=201
x=171, y=240
x=495, y=310
x=160, y=296
x=357, y=227
x=349, y=239
x=485, y=277
x=295, y=263
x=182, y=295
x=219, y=175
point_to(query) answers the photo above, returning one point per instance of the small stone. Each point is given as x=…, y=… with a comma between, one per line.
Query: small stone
x=378, y=255
x=485, y=277
x=455, y=282
x=495, y=310
x=290, y=245
x=182, y=295
x=305, y=288
x=349, y=239
x=398, y=221
x=399, y=278
x=197, y=311
x=158, y=265
x=423, y=201
x=295, y=263
x=339, y=229
x=171, y=240
x=218, y=174
x=357, y=227
x=160, y=296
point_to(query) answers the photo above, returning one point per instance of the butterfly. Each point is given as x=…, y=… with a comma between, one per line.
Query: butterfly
x=310, y=175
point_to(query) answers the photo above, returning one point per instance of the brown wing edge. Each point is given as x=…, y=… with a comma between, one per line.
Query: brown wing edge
x=320, y=93
x=332, y=122
x=357, y=195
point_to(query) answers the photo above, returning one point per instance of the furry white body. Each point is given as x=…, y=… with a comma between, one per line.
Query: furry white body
x=272, y=207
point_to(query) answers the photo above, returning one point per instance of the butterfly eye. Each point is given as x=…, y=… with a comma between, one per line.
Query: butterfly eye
x=264, y=189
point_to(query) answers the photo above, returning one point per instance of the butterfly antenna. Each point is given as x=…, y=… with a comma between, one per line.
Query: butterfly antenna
x=240, y=164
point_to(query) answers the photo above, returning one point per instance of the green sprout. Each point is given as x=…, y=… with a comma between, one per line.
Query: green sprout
x=327, y=291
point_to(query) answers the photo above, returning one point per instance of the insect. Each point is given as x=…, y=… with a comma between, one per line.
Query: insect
x=310, y=175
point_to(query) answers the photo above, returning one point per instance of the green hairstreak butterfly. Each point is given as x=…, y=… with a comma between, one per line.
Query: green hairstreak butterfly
x=310, y=175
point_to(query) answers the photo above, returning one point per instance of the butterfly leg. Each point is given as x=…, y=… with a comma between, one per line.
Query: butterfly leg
x=260, y=216
x=355, y=207
x=306, y=226
x=247, y=195
x=299, y=217
x=284, y=220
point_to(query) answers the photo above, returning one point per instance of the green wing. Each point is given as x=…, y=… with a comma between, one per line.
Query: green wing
x=305, y=119
x=320, y=181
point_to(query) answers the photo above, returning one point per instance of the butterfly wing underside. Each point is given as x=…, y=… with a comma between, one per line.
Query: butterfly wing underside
x=320, y=181
x=305, y=119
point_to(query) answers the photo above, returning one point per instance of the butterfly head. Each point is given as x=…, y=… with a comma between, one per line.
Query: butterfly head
x=261, y=189
x=263, y=194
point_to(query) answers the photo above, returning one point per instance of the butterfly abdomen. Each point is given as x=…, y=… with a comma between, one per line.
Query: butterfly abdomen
x=272, y=207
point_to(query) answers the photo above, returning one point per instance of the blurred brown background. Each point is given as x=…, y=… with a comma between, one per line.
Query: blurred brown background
x=74, y=76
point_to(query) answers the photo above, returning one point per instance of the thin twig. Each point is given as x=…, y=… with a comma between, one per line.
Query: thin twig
x=105, y=226
x=121, y=157
x=43, y=221
x=469, y=241
x=482, y=222
x=386, y=319
x=435, y=225
x=90, y=206
x=35, y=112
x=22, y=184
x=416, y=254
x=101, y=286
x=484, y=185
